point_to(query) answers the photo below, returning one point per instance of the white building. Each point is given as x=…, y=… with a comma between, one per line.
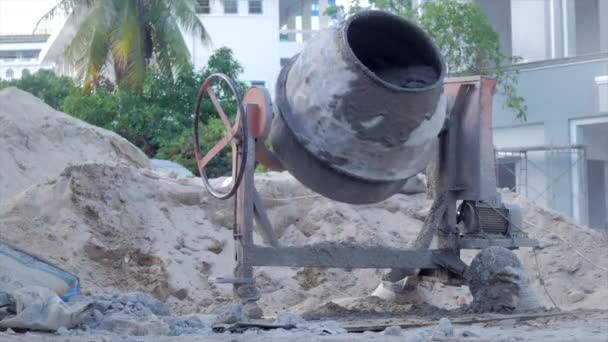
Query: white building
x=261, y=33
x=559, y=156
x=19, y=55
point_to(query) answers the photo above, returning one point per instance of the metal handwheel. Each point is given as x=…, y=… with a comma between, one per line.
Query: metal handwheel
x=236, y=136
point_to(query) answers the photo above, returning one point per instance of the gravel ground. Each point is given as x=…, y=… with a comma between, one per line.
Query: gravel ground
x=573, y=326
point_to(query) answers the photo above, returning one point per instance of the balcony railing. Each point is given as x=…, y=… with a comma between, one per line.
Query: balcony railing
x=297, y=36
x=18, y=61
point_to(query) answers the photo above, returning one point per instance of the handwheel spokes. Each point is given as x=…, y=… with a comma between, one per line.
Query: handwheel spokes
x=236, y=135
x=227, y=139
x=220, y=110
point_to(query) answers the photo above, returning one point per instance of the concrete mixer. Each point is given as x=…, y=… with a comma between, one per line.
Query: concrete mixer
x=363, y=108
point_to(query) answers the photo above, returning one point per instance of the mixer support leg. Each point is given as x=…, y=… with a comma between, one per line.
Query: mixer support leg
x=433, y=222
x=245, y=289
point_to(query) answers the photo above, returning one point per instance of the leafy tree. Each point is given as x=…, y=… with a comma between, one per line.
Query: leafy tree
x=46, y=85
x=468, y=43
x=129, y=35
x=158, y=119
x=181, y=149
x=100, y=109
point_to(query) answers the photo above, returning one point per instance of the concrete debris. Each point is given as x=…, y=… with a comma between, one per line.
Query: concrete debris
x=445, y=327
x=137, y=314
x=289, y=318
x=39, y=308
x=393, y=331
x=325, y=328
x=468, y=333
x=63, y=331
x=575, y=296
x=400, y=293
x=230, y=313
x=498, y=282
x=124, y=324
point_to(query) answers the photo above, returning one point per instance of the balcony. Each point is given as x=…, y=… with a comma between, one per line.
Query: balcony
x=298, y=22
x=19, y=61
x=559, y=88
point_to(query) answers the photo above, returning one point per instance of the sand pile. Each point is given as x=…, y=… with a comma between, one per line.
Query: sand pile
x=123, y=228
x=126, y=229
x=39, y=142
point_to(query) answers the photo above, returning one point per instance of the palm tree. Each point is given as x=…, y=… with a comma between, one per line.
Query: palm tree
x=128, y=35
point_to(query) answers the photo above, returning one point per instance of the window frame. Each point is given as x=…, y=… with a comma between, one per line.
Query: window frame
x=236, y=7
x=261, y=7
x=199, y=7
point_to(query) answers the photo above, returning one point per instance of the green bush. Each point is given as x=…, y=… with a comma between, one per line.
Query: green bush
x=100, y=109
x=44, y=84
x=159, y=118
x=181, y=149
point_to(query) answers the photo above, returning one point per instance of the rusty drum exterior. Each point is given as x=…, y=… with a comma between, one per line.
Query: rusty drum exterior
x=360, y=108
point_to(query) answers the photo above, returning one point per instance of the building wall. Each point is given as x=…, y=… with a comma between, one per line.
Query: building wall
x=531, y=32
x=543, y=29
x=603, y=24
x=556, y=92
x=499, y=17
x=18, y=69
x=254, y=39
x=587, y=26
x=21, y=59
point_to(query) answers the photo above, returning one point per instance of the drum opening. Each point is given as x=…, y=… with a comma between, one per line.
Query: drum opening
x=394, y=50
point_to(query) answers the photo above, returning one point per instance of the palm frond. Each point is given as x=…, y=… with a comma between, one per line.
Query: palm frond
x=184, y=13
x=64, y=7
x=89, y=49
x=127, y=43
x=170, y=48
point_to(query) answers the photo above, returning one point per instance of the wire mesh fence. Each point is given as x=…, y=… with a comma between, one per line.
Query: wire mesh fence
x=544, y=174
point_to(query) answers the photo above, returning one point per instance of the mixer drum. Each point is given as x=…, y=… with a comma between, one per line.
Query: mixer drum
x=360, y=108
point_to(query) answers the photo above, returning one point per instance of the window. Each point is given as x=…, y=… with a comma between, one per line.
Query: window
x=30, y=54
x=203, y=7
x=9, y=55
x=255, y=6
x=25, y=72
x=10, y=74
x=231, y=6
x=258, y=83
x=505, y=173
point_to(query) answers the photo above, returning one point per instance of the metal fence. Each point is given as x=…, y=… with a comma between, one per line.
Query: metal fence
x=541, y=172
